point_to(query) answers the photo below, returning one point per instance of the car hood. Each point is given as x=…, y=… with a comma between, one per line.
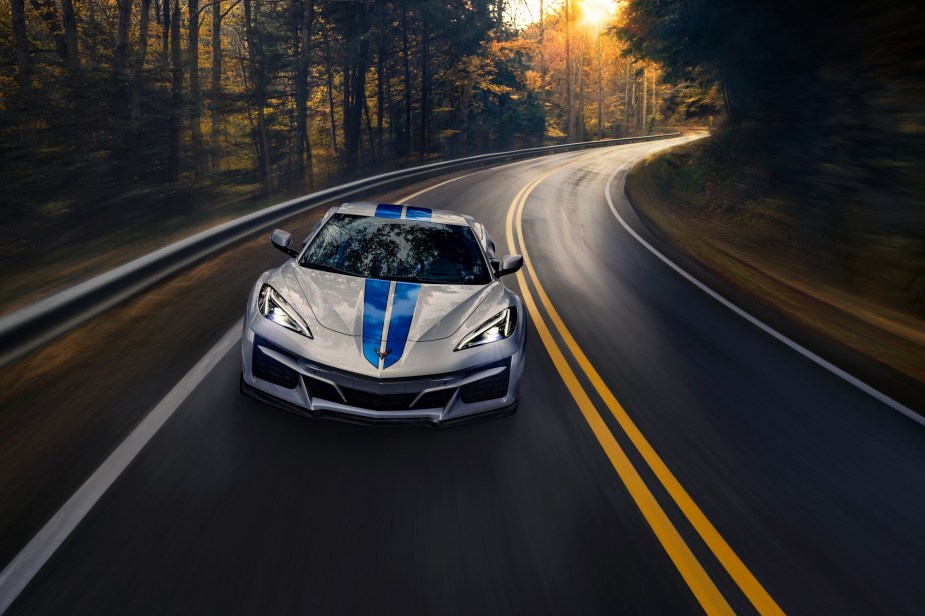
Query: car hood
x=429, y=311
x=385, y=329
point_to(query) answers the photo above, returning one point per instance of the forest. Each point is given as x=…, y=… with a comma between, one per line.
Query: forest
x=824, y=137
x=117, y=113
x=129, y=122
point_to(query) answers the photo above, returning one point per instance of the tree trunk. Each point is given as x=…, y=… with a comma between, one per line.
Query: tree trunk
x=654, y=112
x=176, y=96
x=24, y=66
x=406, y=57
x=70, y=32
x=26, y=90
x=380, y=75
x=626, y=101
x=90, y=43
x=301, y=43
x=542, y=74
x=569, y=115
x=425, y=85
x=329, y=78
x=258, y=83
x=633, y=98
x=600, y=88
x=356, y=63
x=369, y=132
x=216, y=94
x=345, y=107
x=642, y=117
x=581, y=89
x=120, y=59
x=134, y=125
x=121, y=93
x=195, y=94
x=165, y=24
x=393, y=115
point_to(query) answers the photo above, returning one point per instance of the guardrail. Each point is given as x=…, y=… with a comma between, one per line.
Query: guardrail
x=29, y=328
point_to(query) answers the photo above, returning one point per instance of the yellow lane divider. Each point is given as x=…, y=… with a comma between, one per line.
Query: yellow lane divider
x=703, y=588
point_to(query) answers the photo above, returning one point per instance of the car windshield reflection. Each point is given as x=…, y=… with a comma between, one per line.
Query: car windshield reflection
x=397, y=249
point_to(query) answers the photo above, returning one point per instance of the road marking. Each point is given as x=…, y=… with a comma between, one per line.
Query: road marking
x=691, y=570
x=21, y=570
x=429, y=188
x=724, y=553
x=880, y=397
x=706, y=592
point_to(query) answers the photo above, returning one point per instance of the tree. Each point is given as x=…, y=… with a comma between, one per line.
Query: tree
x=304, y=11
x=69, y=20
x=215, y=94
x=23, y=56
x=257, y=72
x=195, y=95
x=176, y=96
x=137, y=79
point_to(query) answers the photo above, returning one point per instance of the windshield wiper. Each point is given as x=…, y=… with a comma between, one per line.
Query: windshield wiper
x=422, y=279
x=409, y=278
x=329, y=268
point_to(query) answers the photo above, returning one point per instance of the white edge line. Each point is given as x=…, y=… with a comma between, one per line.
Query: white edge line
x=429, y=188
x=893, y=404
x=20, y=571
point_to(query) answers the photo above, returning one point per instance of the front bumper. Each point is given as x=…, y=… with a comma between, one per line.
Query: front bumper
x=376, y=421
x=280, y=377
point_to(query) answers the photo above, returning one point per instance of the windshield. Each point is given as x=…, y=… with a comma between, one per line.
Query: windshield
x=397, y=249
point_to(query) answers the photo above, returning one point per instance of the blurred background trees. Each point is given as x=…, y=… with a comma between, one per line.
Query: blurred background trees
x=826, y=125
x=135, y=112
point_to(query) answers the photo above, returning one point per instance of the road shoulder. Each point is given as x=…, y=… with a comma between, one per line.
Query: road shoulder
x=880, y=352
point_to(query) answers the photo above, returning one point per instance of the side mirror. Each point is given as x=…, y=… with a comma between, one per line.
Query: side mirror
x=510, y=264
x=282, y=240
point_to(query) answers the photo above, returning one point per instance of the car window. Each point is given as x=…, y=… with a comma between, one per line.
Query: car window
x=397, y=249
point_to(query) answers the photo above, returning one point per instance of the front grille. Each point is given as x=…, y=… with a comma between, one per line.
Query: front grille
x=268, y=369
x=488, y=388
x=378, y=402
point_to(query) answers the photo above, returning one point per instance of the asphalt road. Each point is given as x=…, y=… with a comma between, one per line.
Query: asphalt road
x=815, y=487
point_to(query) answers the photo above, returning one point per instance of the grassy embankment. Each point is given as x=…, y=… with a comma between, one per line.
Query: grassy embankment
x=861, y=284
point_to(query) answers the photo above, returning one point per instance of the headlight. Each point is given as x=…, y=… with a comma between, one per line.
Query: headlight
x=496, y=328
x=272, y=305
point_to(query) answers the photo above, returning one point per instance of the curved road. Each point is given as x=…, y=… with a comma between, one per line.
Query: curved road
x=667, y=457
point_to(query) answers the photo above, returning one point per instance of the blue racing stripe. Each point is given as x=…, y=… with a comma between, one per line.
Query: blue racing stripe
x=375, y=298
x=387, y=210
x=418, y=213
x=403, y=304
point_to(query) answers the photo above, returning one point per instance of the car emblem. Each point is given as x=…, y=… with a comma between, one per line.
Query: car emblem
x=382, y=354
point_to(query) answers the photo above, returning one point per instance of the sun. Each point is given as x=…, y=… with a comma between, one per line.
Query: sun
x=595, y=13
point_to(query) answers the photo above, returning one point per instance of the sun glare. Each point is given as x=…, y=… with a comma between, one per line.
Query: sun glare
x=592, y=14
x=595, y=13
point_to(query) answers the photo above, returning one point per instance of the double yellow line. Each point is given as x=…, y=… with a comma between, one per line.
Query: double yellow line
x=681, y=555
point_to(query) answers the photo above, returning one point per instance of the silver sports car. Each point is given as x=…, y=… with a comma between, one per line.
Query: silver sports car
x=387, y=313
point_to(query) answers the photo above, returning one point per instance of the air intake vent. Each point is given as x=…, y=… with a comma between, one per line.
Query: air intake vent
x=268, y=369
x=486, y=389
